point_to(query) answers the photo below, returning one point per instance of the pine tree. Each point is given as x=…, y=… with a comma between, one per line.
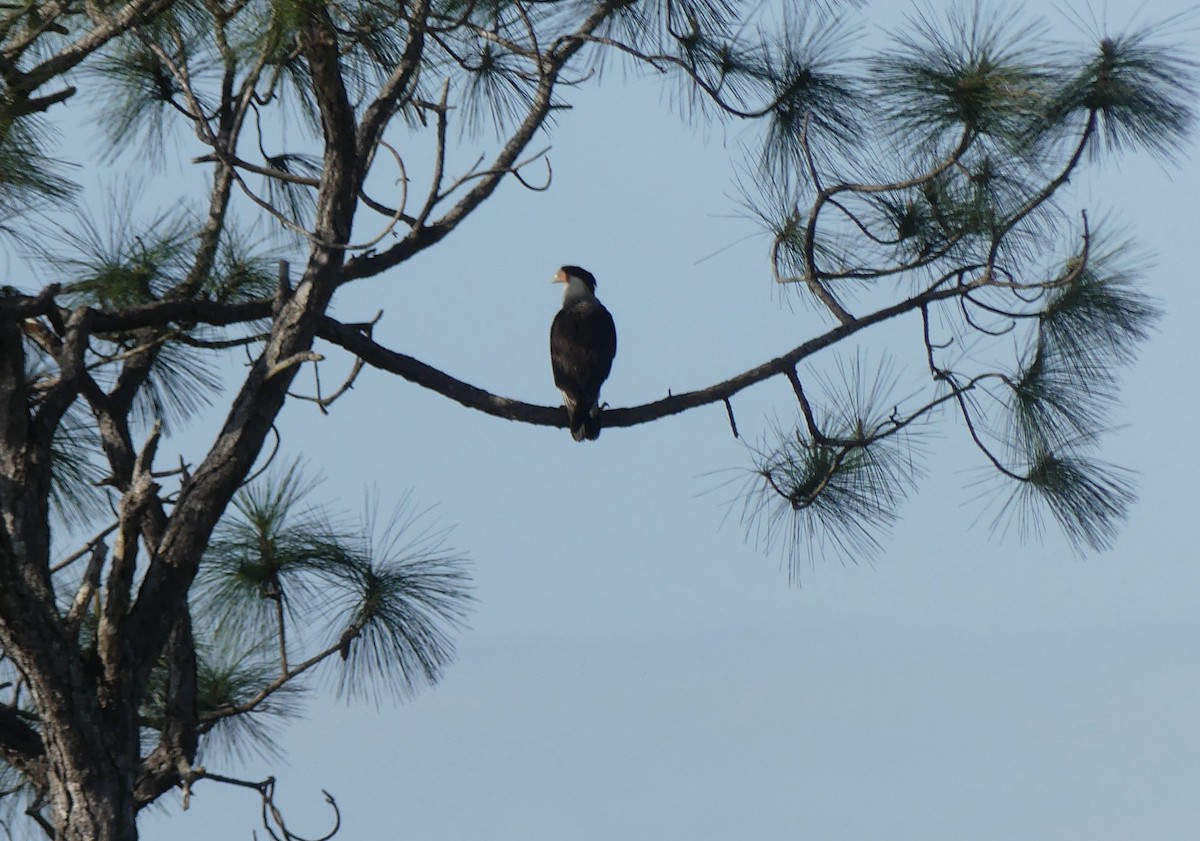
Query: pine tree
x=922, y=182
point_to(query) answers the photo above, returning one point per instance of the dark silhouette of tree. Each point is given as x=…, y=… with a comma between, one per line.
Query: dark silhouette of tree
x=919, y=183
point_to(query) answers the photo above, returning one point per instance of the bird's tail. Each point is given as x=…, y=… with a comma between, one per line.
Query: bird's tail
x=584, y=422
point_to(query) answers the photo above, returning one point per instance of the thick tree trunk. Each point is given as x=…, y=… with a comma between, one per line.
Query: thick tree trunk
x=91, y=791
x=90, y=736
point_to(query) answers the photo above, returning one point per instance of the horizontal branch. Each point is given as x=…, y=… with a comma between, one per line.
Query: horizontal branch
x=473, y=397
x=188, y=311
x=268, y=172
x=153, y=314
x=30, y=306
x=415, y=371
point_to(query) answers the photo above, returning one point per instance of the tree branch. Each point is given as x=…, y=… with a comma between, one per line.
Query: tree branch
x=477, y=398
x=179, y=735
x=397, y=87
x=111, y=641
x=190, y=311
x=21, y=746
x=107, y=28
x=423, y=236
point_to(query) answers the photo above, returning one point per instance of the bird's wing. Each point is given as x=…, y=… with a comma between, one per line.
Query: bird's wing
x=583, y=342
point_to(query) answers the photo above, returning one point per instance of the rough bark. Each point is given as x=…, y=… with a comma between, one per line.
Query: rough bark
x=91, y=778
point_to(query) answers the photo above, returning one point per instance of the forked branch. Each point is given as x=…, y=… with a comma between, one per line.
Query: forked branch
x=272, y=818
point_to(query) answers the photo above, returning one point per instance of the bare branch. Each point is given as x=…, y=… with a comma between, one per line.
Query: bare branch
x=292, y=361
x=87, y=547
x=732, y=422
x=439, y=161
x=398, y=213
x=423, y=236
x=107, y=27
x=397, y=88
x=323, y=403
x=397, y=217
x=139, y=497
x=71, y=372
x=88, y=586
x=266, y=171
x=1049, y=190
x=806, y=408
x=179, y=735
x=662, y=61
x=476, y=398
x=186, y=311
x=26, y=306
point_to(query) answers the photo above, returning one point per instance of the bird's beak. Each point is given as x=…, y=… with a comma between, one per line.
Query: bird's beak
x=561, y=277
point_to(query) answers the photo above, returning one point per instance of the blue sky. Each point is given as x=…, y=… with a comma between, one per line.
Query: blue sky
x=633, y=669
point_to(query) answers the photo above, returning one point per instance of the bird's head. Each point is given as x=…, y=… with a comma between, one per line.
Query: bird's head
x=568, y=273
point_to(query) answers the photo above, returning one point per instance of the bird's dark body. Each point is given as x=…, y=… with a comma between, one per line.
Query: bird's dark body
x=583, y=342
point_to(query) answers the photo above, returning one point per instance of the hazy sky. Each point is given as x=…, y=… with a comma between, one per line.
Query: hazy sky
x=634, y=671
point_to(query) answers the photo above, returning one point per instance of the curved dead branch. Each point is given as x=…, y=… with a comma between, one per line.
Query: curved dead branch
x=473, y=397
x=272, y=818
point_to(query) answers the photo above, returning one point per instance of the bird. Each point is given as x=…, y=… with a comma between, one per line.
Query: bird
x=583, y=342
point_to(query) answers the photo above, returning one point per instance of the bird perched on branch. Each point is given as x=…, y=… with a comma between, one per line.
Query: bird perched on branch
x=583, y=342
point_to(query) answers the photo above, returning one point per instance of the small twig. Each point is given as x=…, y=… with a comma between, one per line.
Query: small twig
x=323, y=403
x=135, y=351
x=267, y=172
x=210, y=718
x=402, y=181
x=292, y=361
x=221, y=344
x=274, y=452
x=87, y=547
x=280, y=620
x=810, y=278
x=962, y=305
x=729, y=412
x=516, y=173
x=960, y=396
x=936, y=372
x=863, y=227
x=304, y=232
x=35, y=811
x=283, y=287
x=806, y=408
x=473, y=174
x=272, y=818
x=439, y=161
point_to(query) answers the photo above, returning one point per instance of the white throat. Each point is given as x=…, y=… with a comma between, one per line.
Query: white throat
x=576, y=291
